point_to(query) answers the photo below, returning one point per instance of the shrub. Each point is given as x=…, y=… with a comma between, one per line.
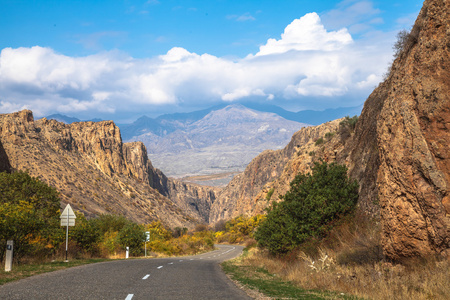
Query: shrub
x=319, y=142
x=29, y=214
x=86, y=234
x=329, y=135
x=309, y=209
x=269, y=194
x=349, y=123
x=132, y=235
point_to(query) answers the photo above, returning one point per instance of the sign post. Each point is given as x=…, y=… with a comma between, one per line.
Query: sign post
x=147, y=238
x=9, y=255
x=67, y=219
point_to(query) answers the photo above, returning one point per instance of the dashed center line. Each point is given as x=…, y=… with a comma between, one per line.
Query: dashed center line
x=159, y=267
x=171, y=263
x=146, y=276
x=129, y=297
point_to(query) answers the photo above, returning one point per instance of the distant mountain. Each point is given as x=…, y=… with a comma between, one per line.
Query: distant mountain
x=223, y=140
x=164, y=124
x=69, y=120
x=63, y=118
x=313, y=117
x=168, y=123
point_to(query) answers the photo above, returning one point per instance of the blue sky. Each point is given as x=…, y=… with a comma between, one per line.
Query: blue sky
x=121, y=59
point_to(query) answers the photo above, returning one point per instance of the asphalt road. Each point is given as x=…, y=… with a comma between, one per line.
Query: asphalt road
x=192, y=277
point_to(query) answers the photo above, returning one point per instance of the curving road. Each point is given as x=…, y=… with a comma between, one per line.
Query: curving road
x=191, y=277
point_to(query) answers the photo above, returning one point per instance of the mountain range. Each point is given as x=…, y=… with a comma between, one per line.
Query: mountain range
x=221, y=139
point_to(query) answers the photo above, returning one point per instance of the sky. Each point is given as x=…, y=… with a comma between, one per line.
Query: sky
x=121, y=59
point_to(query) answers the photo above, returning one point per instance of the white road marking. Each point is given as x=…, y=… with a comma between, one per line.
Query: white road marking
x=159, y=267
x=129, y=297
x=146, y=276
x=181, y=260
x=171, y=263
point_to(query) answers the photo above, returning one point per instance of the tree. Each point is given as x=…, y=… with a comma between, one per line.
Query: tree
x=309, y=208
x=29, y=211
x=132, y=235
x=86, y=234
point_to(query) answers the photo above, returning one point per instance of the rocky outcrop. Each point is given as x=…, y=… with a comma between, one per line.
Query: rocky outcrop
x=92, y=169
x=274, y=170
x=413, y=131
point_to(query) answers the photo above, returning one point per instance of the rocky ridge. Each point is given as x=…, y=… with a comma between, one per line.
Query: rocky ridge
x=95, y=172
x=272, y=169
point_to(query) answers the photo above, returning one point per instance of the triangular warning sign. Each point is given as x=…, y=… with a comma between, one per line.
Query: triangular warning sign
x=68, y=213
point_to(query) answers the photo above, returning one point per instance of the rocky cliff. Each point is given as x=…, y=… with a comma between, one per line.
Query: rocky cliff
x=95, y=172
x=274, y=170
x=413, y=134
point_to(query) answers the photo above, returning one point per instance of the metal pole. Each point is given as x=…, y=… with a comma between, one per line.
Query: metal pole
x=67, y=234
x=145, y=248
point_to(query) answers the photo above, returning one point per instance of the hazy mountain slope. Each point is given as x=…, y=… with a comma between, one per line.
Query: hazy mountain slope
x=222, y=141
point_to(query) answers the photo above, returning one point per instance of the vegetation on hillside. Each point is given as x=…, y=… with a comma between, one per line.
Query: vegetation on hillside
x=238, y=230
x=309, y=209
x=30, y=216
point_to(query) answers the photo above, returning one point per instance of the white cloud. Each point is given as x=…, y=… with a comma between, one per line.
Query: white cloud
x=308, y=61
x=307, y=33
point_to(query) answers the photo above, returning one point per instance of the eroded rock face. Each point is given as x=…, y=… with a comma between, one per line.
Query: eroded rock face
x=413, y=132
x=246, y=194
x=94, y=171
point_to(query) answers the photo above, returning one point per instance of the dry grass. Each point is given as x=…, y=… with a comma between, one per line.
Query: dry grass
x=350, y=262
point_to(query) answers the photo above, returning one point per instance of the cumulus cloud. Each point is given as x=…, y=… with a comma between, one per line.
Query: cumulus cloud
x=307, y=61
x=307, y=33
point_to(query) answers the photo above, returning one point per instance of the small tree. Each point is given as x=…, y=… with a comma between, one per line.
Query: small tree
x=132, y=235
x=29, y=211
x=309, y=208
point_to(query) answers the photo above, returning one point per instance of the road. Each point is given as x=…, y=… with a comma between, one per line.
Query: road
x=192, y=277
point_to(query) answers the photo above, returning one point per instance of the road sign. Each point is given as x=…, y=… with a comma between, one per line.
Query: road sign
x=68, y=216
x=67, y=219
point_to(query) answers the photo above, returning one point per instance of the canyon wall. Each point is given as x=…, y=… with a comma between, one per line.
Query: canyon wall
x=95, y=172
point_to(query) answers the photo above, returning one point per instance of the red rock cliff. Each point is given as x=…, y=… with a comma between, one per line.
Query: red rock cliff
x=413, y=135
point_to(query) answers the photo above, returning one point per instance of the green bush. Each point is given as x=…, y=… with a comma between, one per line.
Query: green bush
x=319, y=142
x=349, y=123
x=309, y=209
x=86, y=234
x=132, y=235
x=29, y=214
x=269, y=194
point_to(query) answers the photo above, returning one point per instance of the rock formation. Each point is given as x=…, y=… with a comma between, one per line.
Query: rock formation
x=95, y=172
x=413, y=131
x=274, y=170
